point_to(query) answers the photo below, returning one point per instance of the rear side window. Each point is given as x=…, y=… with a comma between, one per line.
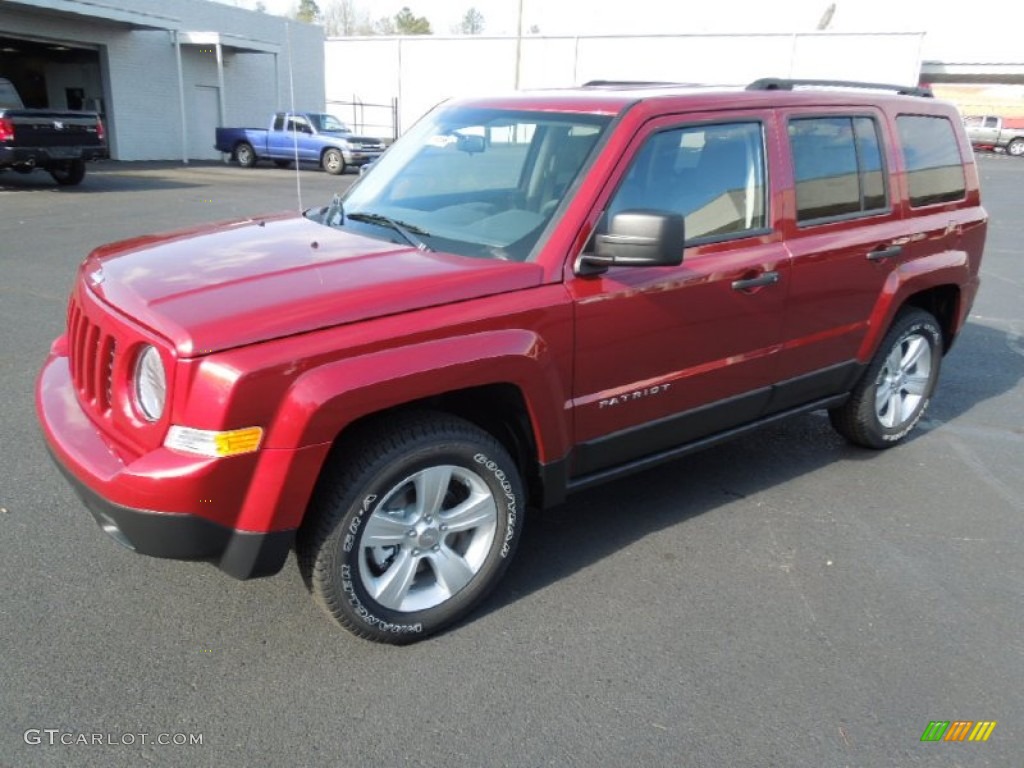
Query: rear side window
x=930, y=152
x=838, y=167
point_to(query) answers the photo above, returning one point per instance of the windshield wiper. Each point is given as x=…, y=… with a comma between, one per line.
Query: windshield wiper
x=409, y=231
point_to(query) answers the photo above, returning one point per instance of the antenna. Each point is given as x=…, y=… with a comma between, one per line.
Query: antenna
x=295, y=135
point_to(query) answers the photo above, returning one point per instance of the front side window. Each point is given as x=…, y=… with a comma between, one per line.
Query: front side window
x=931, y=155
x=714, y=175
x=328, y=123
x=837, y=167
x=476, y=182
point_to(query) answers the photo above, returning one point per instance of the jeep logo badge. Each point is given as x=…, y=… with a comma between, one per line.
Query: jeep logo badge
x=58, y=125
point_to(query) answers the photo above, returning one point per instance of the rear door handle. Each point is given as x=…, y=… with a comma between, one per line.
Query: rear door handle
x=885, y=252
x=765, y=278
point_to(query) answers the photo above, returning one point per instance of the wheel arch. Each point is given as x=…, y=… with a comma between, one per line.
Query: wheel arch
x=943, y=303
x=933, y=283
x=505, y=382
x=499, y=409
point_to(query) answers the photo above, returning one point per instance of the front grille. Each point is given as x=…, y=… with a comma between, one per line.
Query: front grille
x=92, y=356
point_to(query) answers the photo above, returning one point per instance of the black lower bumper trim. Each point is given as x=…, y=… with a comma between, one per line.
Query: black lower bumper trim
x=241, y=554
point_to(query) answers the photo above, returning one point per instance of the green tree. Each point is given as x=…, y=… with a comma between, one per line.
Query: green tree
x=408, y=24
x=308, y=11
x=472, y=23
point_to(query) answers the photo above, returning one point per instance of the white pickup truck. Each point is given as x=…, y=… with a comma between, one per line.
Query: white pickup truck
x=990, y=132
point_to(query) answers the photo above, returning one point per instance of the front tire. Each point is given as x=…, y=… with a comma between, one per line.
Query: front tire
x=895, y=389
x=68, y=174
x=245, y=155
x=333, y=162
x=411, y=527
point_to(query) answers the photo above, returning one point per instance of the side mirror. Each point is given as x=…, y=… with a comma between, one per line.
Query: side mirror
x=638, y=238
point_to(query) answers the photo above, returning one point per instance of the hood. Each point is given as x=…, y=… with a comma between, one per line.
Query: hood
x=227, y=285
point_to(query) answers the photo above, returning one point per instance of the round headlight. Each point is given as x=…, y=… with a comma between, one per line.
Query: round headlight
x=150, y=384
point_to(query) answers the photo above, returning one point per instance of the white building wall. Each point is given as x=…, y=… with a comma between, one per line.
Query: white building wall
x=422, y=71
x=140, y=72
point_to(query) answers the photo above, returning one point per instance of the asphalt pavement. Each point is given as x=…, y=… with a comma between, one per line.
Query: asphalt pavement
x=782, y=600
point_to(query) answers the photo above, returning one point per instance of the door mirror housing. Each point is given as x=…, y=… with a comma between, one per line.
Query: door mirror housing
x=637, y=238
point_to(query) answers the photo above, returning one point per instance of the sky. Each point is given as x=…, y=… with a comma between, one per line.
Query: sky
x=590, y=17
x=947, y=24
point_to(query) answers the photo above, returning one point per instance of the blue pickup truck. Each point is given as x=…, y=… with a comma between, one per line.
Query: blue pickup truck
x=314, y=136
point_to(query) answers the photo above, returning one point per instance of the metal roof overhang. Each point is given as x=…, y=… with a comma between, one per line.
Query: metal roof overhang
x=99, y=11
x=235, y=43
x=978, y=72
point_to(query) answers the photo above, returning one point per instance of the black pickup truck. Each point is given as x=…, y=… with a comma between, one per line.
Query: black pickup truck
x=60, y=142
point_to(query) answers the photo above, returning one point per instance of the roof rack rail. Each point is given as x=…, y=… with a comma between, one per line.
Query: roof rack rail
x=785, y=84
x=628, y=83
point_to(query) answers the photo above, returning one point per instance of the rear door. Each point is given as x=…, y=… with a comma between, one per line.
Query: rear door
x=666, y=355
x=845, y=230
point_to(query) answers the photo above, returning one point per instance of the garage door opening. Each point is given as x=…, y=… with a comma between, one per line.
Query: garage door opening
x=53, y=74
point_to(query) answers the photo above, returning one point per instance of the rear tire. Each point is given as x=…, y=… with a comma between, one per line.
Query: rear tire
x=68, y=174
x=895, y=389
x=411, y=527
x=245, y=155
x=1015, y=148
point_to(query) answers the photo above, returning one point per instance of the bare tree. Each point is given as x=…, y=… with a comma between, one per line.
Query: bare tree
x=385, y=25
x=342, y=18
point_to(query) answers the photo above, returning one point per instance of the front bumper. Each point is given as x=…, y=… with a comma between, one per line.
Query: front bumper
x=121, y=490
x=240, y=554
x=356, y=157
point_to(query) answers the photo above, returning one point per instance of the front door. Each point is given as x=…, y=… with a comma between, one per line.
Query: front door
x=666, y=355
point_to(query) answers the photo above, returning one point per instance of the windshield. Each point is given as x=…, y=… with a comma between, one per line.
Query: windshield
x=475, y=182
x=328, y=124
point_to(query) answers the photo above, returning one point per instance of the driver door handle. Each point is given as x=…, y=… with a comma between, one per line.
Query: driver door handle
x=765, y=278
x=885, y=252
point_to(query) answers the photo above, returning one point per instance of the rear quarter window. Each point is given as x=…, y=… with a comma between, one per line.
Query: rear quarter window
x=931, y=155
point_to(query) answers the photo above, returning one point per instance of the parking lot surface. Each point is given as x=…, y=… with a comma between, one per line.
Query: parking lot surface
x=782, y=600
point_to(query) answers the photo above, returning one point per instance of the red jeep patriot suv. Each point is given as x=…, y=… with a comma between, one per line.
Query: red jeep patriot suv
x=524, y=297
